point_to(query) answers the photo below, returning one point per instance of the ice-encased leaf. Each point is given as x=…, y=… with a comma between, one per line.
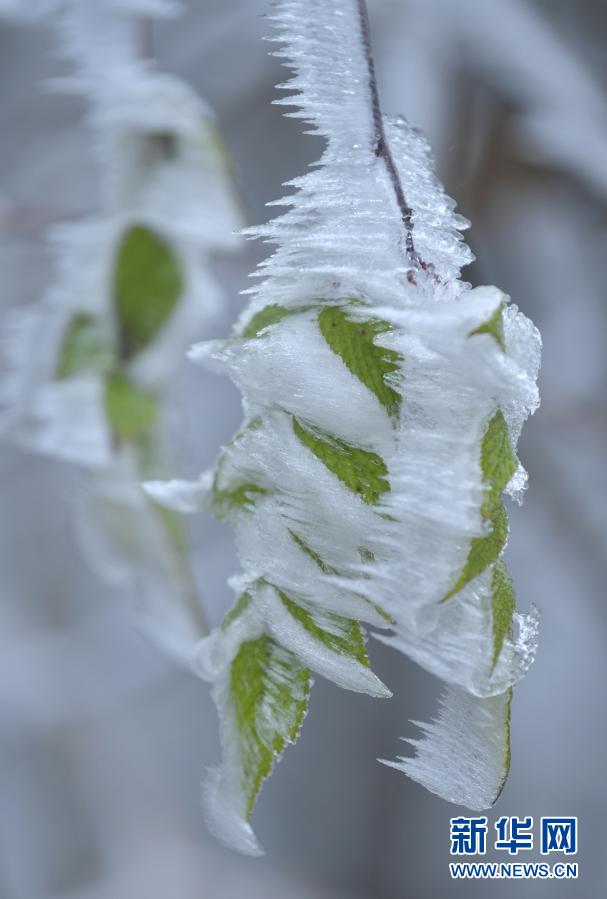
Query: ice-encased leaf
x=464, y=754
x=485, y=550
x=240, y=606
x=344, y=636
x=366, y=556
x=147, y=286
x=261, y=691
x=503, y=605
x=269, y=689
x=265, y=318
x=354, y=341
x=316, y=557
x=363, y=472
x=330, y=644
x=493, y=326
x=86, y=347
x=133, y=283
x=227, y=501
x=498, y=465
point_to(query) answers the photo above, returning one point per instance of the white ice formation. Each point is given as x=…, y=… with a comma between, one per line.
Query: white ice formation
x=89, y=368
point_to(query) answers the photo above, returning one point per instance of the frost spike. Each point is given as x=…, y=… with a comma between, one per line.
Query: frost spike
x=464, y=755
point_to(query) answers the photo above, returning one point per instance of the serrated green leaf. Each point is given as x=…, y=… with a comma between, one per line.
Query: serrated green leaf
x=85, y=348
x=502, y=604
x=269, y=315
x=494, y=326
x=498, y=464
x=147, y=286
x=130, y=410
x=498, y=461
x=484, y=550
x=353, y=342
x=346, y=638
x=363, y=472
x=269, y=689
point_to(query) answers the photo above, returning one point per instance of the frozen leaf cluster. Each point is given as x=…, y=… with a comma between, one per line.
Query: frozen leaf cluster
x=383, y=399
x=90, y=367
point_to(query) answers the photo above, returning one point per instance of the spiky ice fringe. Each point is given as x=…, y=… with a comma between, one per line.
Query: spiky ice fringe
x=464, y=754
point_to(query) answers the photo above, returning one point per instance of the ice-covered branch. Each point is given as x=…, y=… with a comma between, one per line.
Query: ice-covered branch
x=90, y=367
x=383, y=400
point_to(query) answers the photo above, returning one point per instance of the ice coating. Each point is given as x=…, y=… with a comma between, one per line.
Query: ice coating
x=453, y=381
x=163, y=182
x=383, y=399
x=350, y=242
x=464, y=754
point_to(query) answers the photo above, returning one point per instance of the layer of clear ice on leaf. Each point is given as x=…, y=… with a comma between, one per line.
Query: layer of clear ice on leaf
x=342, y=242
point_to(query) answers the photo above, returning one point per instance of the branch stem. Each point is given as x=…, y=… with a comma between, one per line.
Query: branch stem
x=382, y=148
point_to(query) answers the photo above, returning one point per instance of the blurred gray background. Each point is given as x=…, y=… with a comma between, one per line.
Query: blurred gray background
x=102, y=743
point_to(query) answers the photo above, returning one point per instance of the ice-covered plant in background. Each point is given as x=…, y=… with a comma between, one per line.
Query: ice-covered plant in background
x=383, y=399
x=90, y=367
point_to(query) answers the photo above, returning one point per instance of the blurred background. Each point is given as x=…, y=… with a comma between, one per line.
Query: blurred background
x=103, y=742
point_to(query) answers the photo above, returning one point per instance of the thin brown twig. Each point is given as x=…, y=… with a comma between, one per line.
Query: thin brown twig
x=382, y=148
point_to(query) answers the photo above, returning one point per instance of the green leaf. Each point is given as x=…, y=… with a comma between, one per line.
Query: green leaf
x=269, y=315
x=498, y=461
x=353, y=342
x=326, y=569
x=503, y=603
x=361, y=471
x=484, y=550
x=241, y=605
x=236, y=498
x=130, y=410
x=147, y=286
x=365, y=555
x=85, y=348
x=269, y=689
x=234, y=495
x=498, y=464
x=344, y=638
x=494, y=326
